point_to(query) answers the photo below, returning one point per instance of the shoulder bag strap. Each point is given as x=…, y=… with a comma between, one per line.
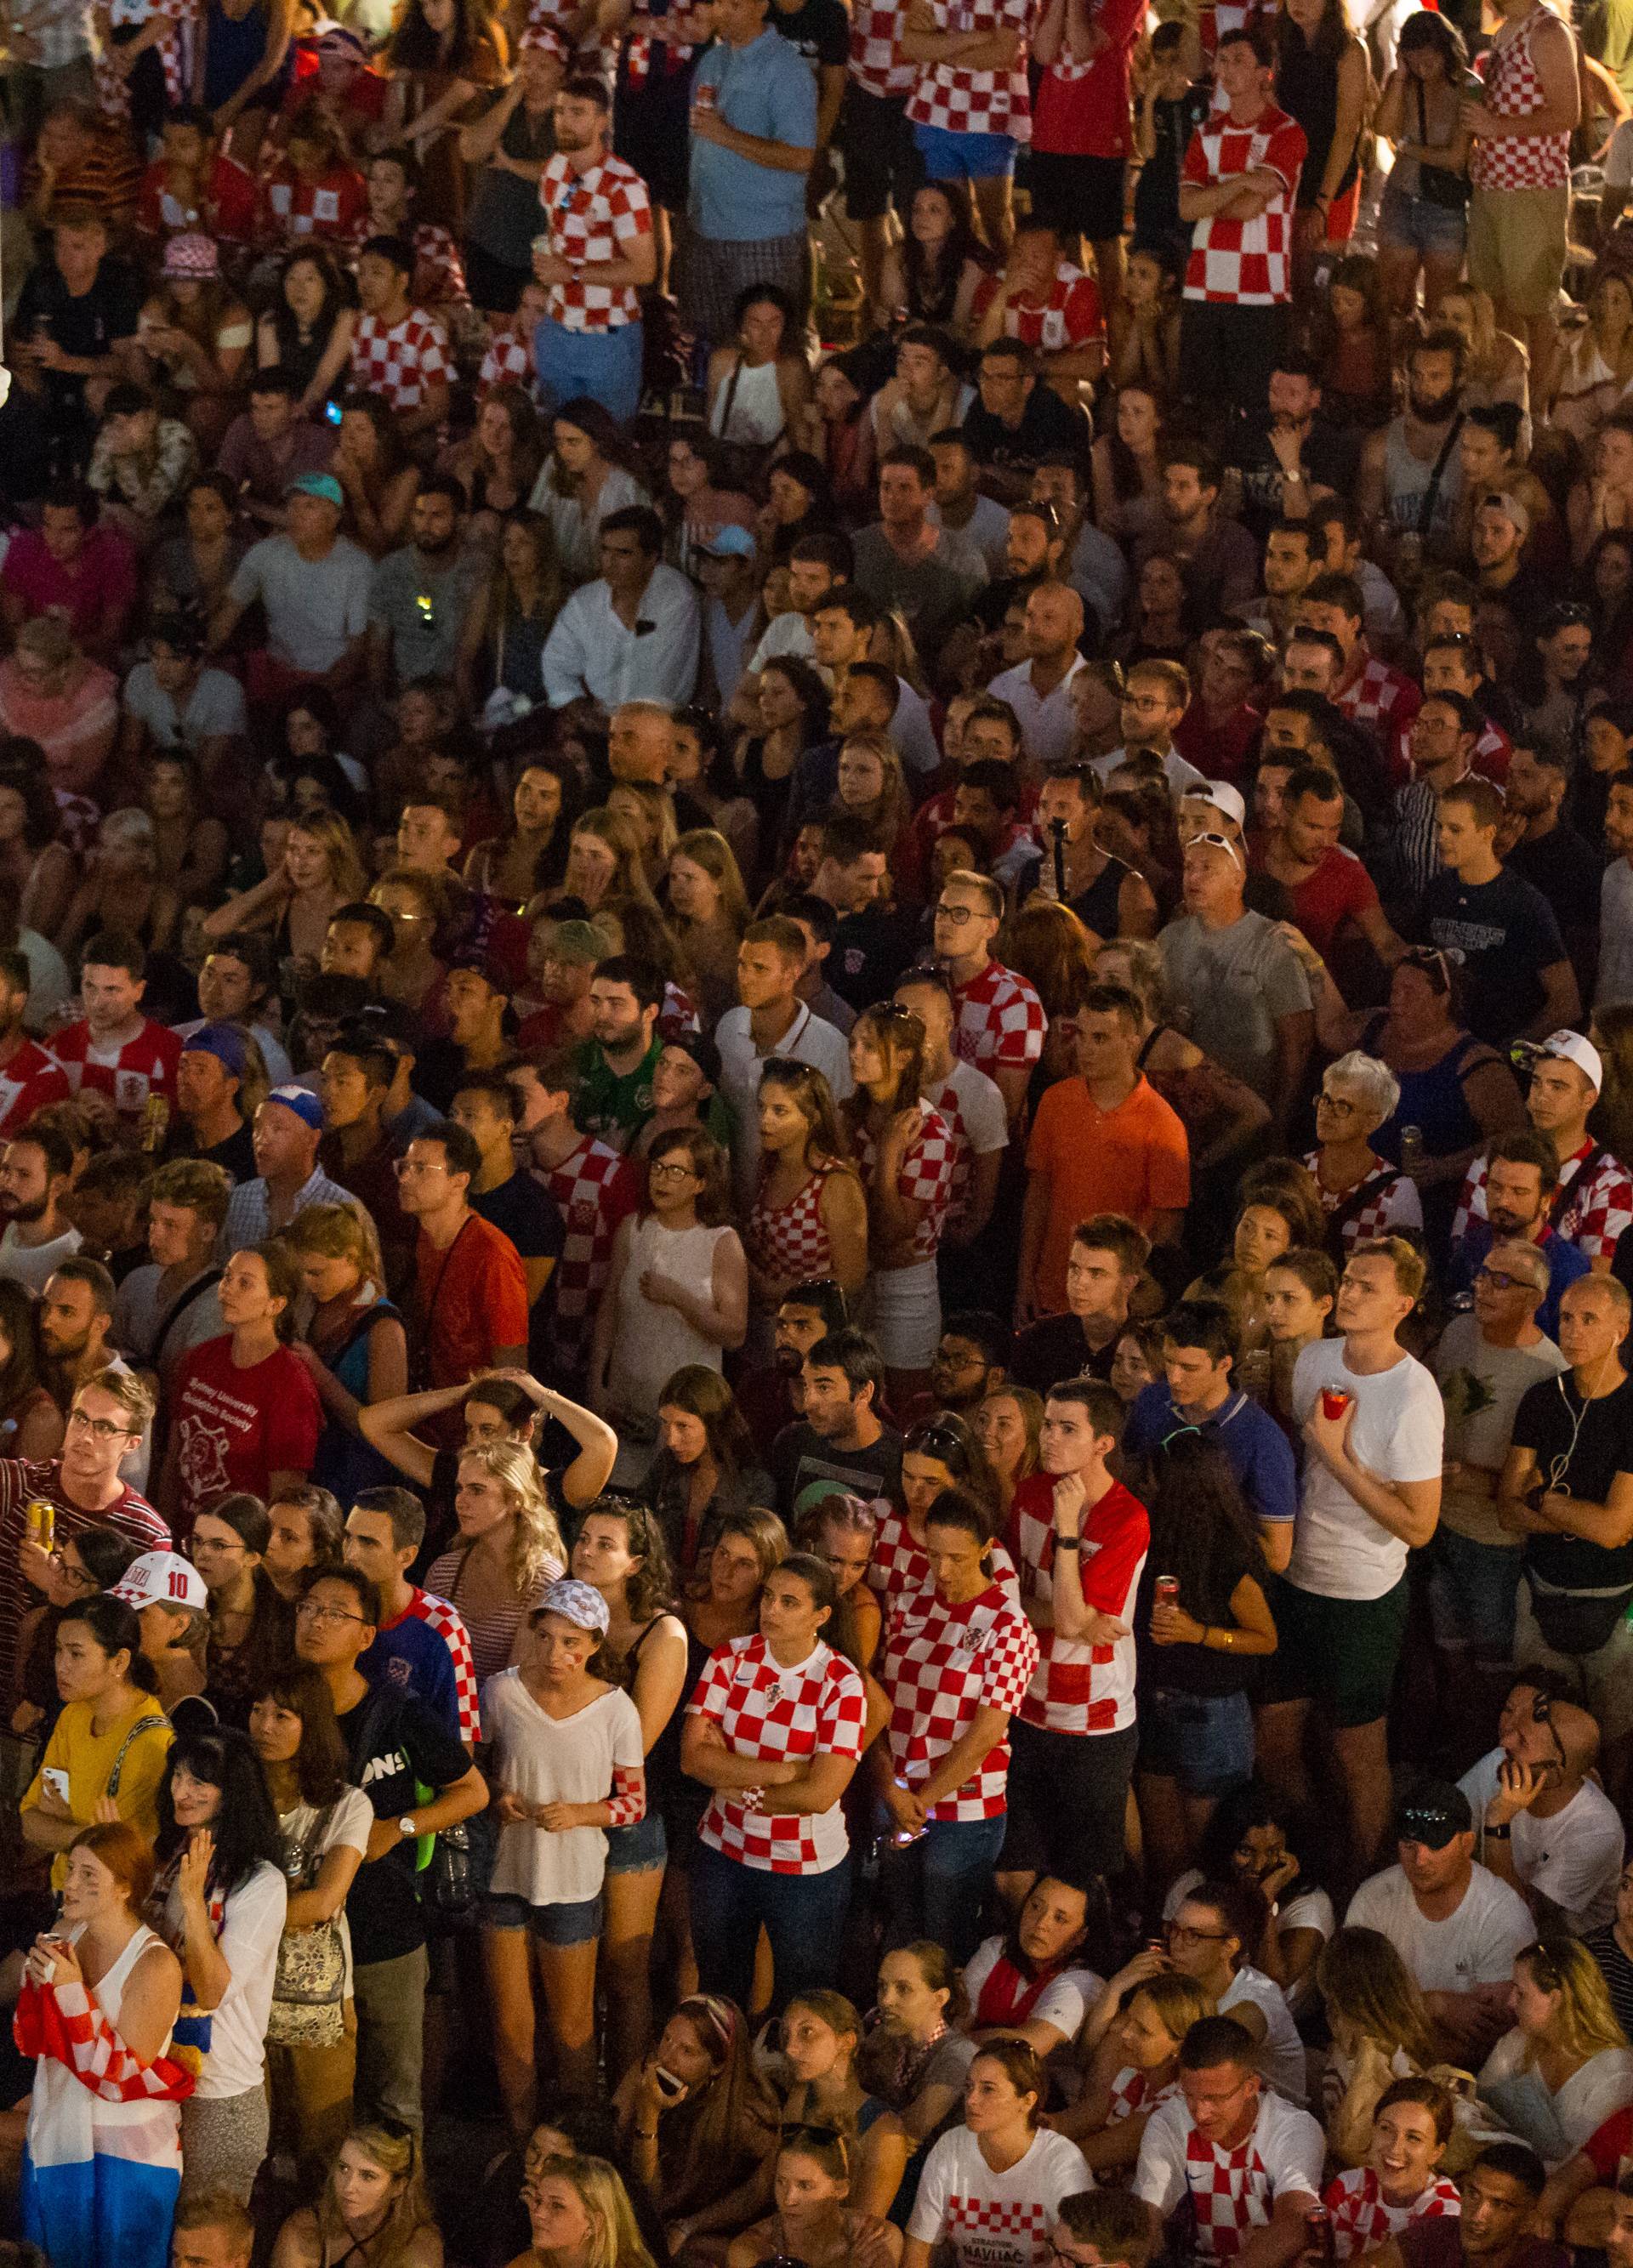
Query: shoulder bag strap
x=1426, y=509
x=150, y=1724
x=179, y=1305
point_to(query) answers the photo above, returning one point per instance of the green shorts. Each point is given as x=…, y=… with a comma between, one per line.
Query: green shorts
x=1341, y=1654
x=1516, y=246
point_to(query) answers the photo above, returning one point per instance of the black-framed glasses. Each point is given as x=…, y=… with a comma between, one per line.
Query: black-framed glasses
x=957, y=915
x=1500, y=1280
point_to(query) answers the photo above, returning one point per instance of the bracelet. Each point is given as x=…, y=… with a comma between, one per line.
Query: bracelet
x=1068, y=1542
x=645, y=2133
x=1503, y=1834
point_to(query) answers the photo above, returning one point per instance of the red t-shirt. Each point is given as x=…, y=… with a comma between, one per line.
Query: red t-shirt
x=1340, y=890
x=1071, y=316
x=1219, y=751
x=235, y=1428
x=467, y=1302
x=229, y=209
x=1083, y=109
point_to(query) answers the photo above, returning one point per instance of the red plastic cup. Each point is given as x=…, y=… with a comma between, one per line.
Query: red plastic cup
x=1334, y=1401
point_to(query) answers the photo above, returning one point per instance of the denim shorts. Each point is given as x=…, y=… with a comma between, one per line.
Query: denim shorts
x=637, y=1850
x=1472, y=1591
x=576, y=1923
x=1204, y=1740
x=964, y=156
x=1407, y=223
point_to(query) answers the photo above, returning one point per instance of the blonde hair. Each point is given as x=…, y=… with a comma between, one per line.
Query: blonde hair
x=656, y=806
x=1363, y=1980
x=1178, y=2000
x=1586, y=2024
x=395, y=2151
x=616, y=2240
x=339, y=1232
x=347, y=874
x=707, y=848
x=127, y=1387
x=629, y=874
x=537, y=1538
x=131, y=828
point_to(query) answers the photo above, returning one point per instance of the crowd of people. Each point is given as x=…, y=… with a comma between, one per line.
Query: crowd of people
x=815, y=1135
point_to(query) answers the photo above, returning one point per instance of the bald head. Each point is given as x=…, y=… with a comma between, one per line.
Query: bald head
x=1578, y=1735
x=1054, y=621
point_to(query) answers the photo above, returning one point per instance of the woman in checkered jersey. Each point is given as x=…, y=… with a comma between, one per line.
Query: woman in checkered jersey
x=1402, y=2181
x=904, y=1153
x=775, y=1728
x=809, y=1215
x=992, y=2188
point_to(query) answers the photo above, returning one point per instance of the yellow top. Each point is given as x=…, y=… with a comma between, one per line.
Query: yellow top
x=88, y=1761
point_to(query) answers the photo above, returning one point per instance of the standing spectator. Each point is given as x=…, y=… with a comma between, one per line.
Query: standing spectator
x=1520, y=983
x=469, y=1309
x=398, y=350
x=246, y=1416
x=999, y=1017
x=1237, y=190
x=1520, y=169
x=34, y=1175
x=288, y=1127
x=1373, y=1429
x=753, y=141
x=598, y=219
x=1591, y=1203
x=423, y=1648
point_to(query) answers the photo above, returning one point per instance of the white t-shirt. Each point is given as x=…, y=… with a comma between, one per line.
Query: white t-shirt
x=1310, y=1909
x=350, y=1817
x=1064, y=2002
x=546, y=1759
x=1232, y=2190
x=1281, y=2058
x=996, y=2221
x=1339, y=1551
x=251, y=1927
x=31, y=1265
x=1476, y=1945
x=1573, y=1860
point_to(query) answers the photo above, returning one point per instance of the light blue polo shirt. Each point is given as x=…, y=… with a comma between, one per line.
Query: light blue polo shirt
x=766, y=88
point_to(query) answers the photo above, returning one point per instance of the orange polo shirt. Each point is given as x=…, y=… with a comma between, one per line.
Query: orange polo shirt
x=1134, y=1160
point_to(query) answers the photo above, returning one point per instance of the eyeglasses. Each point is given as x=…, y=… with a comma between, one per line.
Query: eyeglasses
x=1336, y=1104
x=401, y=1166
x=664, y=1172
x=210, y=1548
x=103, y=1429
x=310, y=1611
x=77, y=1578
x=1500, y=1281
x=1181, y=1933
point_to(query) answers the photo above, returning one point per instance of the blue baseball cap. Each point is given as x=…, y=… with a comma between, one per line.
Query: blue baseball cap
x=222, y=1042
x=303, y=1103
x=318, y=485
x=729, y=542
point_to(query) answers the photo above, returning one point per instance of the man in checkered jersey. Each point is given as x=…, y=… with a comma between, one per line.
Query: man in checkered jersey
x=598, y=218
x=594, y=1187
x=397, y=350
x=1237, y=188
x=422, y=1646
x=1228, y=2171
x=1592, y=1201
x=1000, y=1019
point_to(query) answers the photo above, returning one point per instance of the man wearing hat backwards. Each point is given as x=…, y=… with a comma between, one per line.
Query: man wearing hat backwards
x=313, y=583
x=1592, y=1201
x=288, y=1125
x=1455, y=1925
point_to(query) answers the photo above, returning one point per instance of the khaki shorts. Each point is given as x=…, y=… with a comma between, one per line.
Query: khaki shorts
x=1516, y=246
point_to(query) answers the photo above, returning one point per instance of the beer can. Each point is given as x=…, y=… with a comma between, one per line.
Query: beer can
x=42, y=1524
x=1166, y=1591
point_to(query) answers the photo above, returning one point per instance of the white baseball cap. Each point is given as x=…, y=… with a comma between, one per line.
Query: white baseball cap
x=161, y=1578
x=1224, y=798
x=1574, y=1049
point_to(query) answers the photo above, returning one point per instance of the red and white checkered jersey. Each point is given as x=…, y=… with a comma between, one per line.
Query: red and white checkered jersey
x=29, y=1080
x=1513, y=89
x=507, y=362
x=441, y=1615
x=925, y=1178
x=1392, y=1202
x=977, y=1124
x=332, y=208
x=143, y=1066
x=403, y=362
x=1000, y=1019
x=941, y=1663
x=1078, y=1687
x=1380, y=695
x=594, y=1187
x=1245, y=263
x=1596, y=1209
x=1362, y=2219
x=899, y=1569
x=1232, y=2191
x=1132, y=2092
x=964, y=101
x=818, y=1707
x=790, y=1242
x=439, y=278
x=987, y=2220
x=590, y=219
x=1071, y=316
x=877, y=61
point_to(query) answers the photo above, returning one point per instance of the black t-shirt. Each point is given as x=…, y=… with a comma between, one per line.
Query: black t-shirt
x=1046, y=1352
x=820, y=29
x=396, y=1746
x=237, y=1153
x=524, y=1210
x=799, y=1456
x=86, y=326
x=1582, y=1460
x=1047, y=424
x=871, y=951
x=1328, y=457
x=1507, y=934
x=1568, y=871
x=1156, y=196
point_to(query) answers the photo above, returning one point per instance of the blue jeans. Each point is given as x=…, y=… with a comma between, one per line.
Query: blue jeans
x=803, y=1917
x=605, y=365
x=1204, y=1740
x=1473, y=1590
x=938, y=1886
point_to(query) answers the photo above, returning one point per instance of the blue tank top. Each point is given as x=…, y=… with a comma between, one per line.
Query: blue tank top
x=235, y=46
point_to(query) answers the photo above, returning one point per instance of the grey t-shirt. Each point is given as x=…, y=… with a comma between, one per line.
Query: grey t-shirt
x=422, y=605
x=314, y=607
x=1481, y=1387
x=1236, y=983
x=216, y=708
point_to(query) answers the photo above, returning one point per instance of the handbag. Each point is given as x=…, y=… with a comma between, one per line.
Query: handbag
x=309, y=1985
x=1578, y=1622
x=1439, y=185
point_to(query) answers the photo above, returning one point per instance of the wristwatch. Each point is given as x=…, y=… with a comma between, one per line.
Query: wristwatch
x=1068, y=1542
x=407, y=1824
